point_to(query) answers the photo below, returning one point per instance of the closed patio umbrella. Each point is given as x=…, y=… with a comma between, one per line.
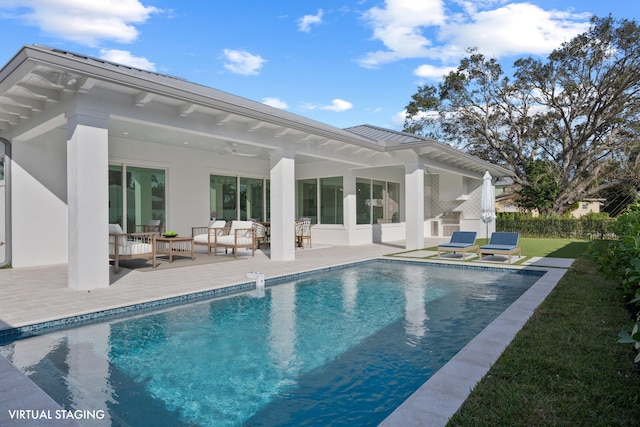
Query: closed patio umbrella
x=487, y=202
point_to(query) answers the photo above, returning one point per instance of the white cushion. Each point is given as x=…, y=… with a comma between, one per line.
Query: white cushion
x=218, y=224
x=240, y=224
x=137, y=248
x=115, y=229
x=230, y=240
x=201, y=238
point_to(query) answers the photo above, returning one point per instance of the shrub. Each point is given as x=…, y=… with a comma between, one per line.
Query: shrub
x=592, y=226
x=620, y=260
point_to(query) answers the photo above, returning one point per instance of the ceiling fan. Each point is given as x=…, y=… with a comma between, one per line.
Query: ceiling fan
x=233, y=149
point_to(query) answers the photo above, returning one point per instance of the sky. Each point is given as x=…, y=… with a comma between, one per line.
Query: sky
x=344, y=63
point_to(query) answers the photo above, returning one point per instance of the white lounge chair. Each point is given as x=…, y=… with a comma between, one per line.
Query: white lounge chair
x=130, y=245
x=242, y=234
x=205, y=236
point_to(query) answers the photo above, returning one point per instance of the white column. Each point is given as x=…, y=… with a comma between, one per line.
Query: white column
x=88, y=200
x=283, y=202
x=414, y=206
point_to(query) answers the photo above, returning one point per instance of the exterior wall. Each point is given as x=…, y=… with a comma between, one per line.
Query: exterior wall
x=39, y=202
x=463, y=197
x=40, y=194
x=585, y=208
x=187, y=176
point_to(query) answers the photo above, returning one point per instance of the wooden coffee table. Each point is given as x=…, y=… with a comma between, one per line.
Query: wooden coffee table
x=173, y=246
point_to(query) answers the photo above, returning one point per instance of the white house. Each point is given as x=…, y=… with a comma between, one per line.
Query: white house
x=88, y=142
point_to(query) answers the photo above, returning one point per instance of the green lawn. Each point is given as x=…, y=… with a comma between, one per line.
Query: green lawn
x=565, y=367
x=556, y=248
x=538, y=247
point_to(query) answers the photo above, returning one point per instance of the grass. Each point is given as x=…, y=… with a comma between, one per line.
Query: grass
x=565, y=367
x=537, y=247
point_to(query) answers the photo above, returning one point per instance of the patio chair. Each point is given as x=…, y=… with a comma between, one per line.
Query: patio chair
x=461, y=241
x=153, y=225
x=262, y=234
x=205, y=236
x=130, y=245
x=242, y=234
x=303, y=232
x=501, y=243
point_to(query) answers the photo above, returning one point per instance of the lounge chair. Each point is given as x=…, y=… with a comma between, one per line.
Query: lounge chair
x=501, y=243
x=205, y=236
x=461, y=241
x=130, y=245
x=242, y=234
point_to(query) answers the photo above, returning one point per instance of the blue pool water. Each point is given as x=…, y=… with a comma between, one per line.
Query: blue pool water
x=340, y=347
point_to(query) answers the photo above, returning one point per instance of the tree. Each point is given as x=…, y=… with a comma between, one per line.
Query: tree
x=541, y=189
x=579, y=110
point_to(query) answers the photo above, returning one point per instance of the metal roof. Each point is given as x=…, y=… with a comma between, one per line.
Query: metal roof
x=387, y=136
x=39, y=75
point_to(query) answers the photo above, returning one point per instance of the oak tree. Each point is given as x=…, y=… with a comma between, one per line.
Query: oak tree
x=577, y=109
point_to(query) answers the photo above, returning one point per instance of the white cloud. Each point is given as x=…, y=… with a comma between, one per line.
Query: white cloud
x=411, y=29
x=398, y=119
x=514, y=29
x=243, y=62
x=432, y=72
x=87, y=22
x=338, y=105
x=398, y=26
x=307, y=21
x=126, y=58
x=276, y=103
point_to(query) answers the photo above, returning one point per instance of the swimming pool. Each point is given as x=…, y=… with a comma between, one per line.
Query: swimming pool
x=341, y=347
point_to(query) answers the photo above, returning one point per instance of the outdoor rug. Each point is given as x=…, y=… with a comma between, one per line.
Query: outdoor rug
x=162, y=262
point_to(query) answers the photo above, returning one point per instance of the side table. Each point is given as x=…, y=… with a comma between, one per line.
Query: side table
x=173, y=246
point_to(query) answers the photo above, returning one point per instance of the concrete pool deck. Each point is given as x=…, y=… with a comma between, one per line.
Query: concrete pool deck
x=40, y=294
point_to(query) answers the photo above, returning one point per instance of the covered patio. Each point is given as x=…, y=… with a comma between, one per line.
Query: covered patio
x=88, y=143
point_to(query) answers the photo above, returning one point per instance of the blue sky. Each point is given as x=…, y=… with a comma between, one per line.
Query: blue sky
x=344, y=63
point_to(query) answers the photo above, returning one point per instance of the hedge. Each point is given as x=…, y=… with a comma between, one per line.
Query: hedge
x=589, y=227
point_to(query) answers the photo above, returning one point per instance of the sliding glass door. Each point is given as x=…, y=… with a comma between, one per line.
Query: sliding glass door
x=136, y=195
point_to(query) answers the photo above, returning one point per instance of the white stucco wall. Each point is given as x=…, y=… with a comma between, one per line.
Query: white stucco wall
x=39, y=202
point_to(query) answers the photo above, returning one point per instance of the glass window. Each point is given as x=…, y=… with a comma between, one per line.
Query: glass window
x=331, y=197
x=223, y=197
x=250, y=196
x=145, y=196
x=307, y=199
x=267, y=198
x=378, y=189
x=115, y=195
x=363, y=201
x=251, y=199
x=142, y=195
x=377, y=202
x=392, y=205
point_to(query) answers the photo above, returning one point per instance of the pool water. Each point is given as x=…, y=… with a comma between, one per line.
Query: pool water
x=339, y=347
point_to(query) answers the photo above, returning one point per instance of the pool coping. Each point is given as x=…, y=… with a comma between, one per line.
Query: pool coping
x=414, y=411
